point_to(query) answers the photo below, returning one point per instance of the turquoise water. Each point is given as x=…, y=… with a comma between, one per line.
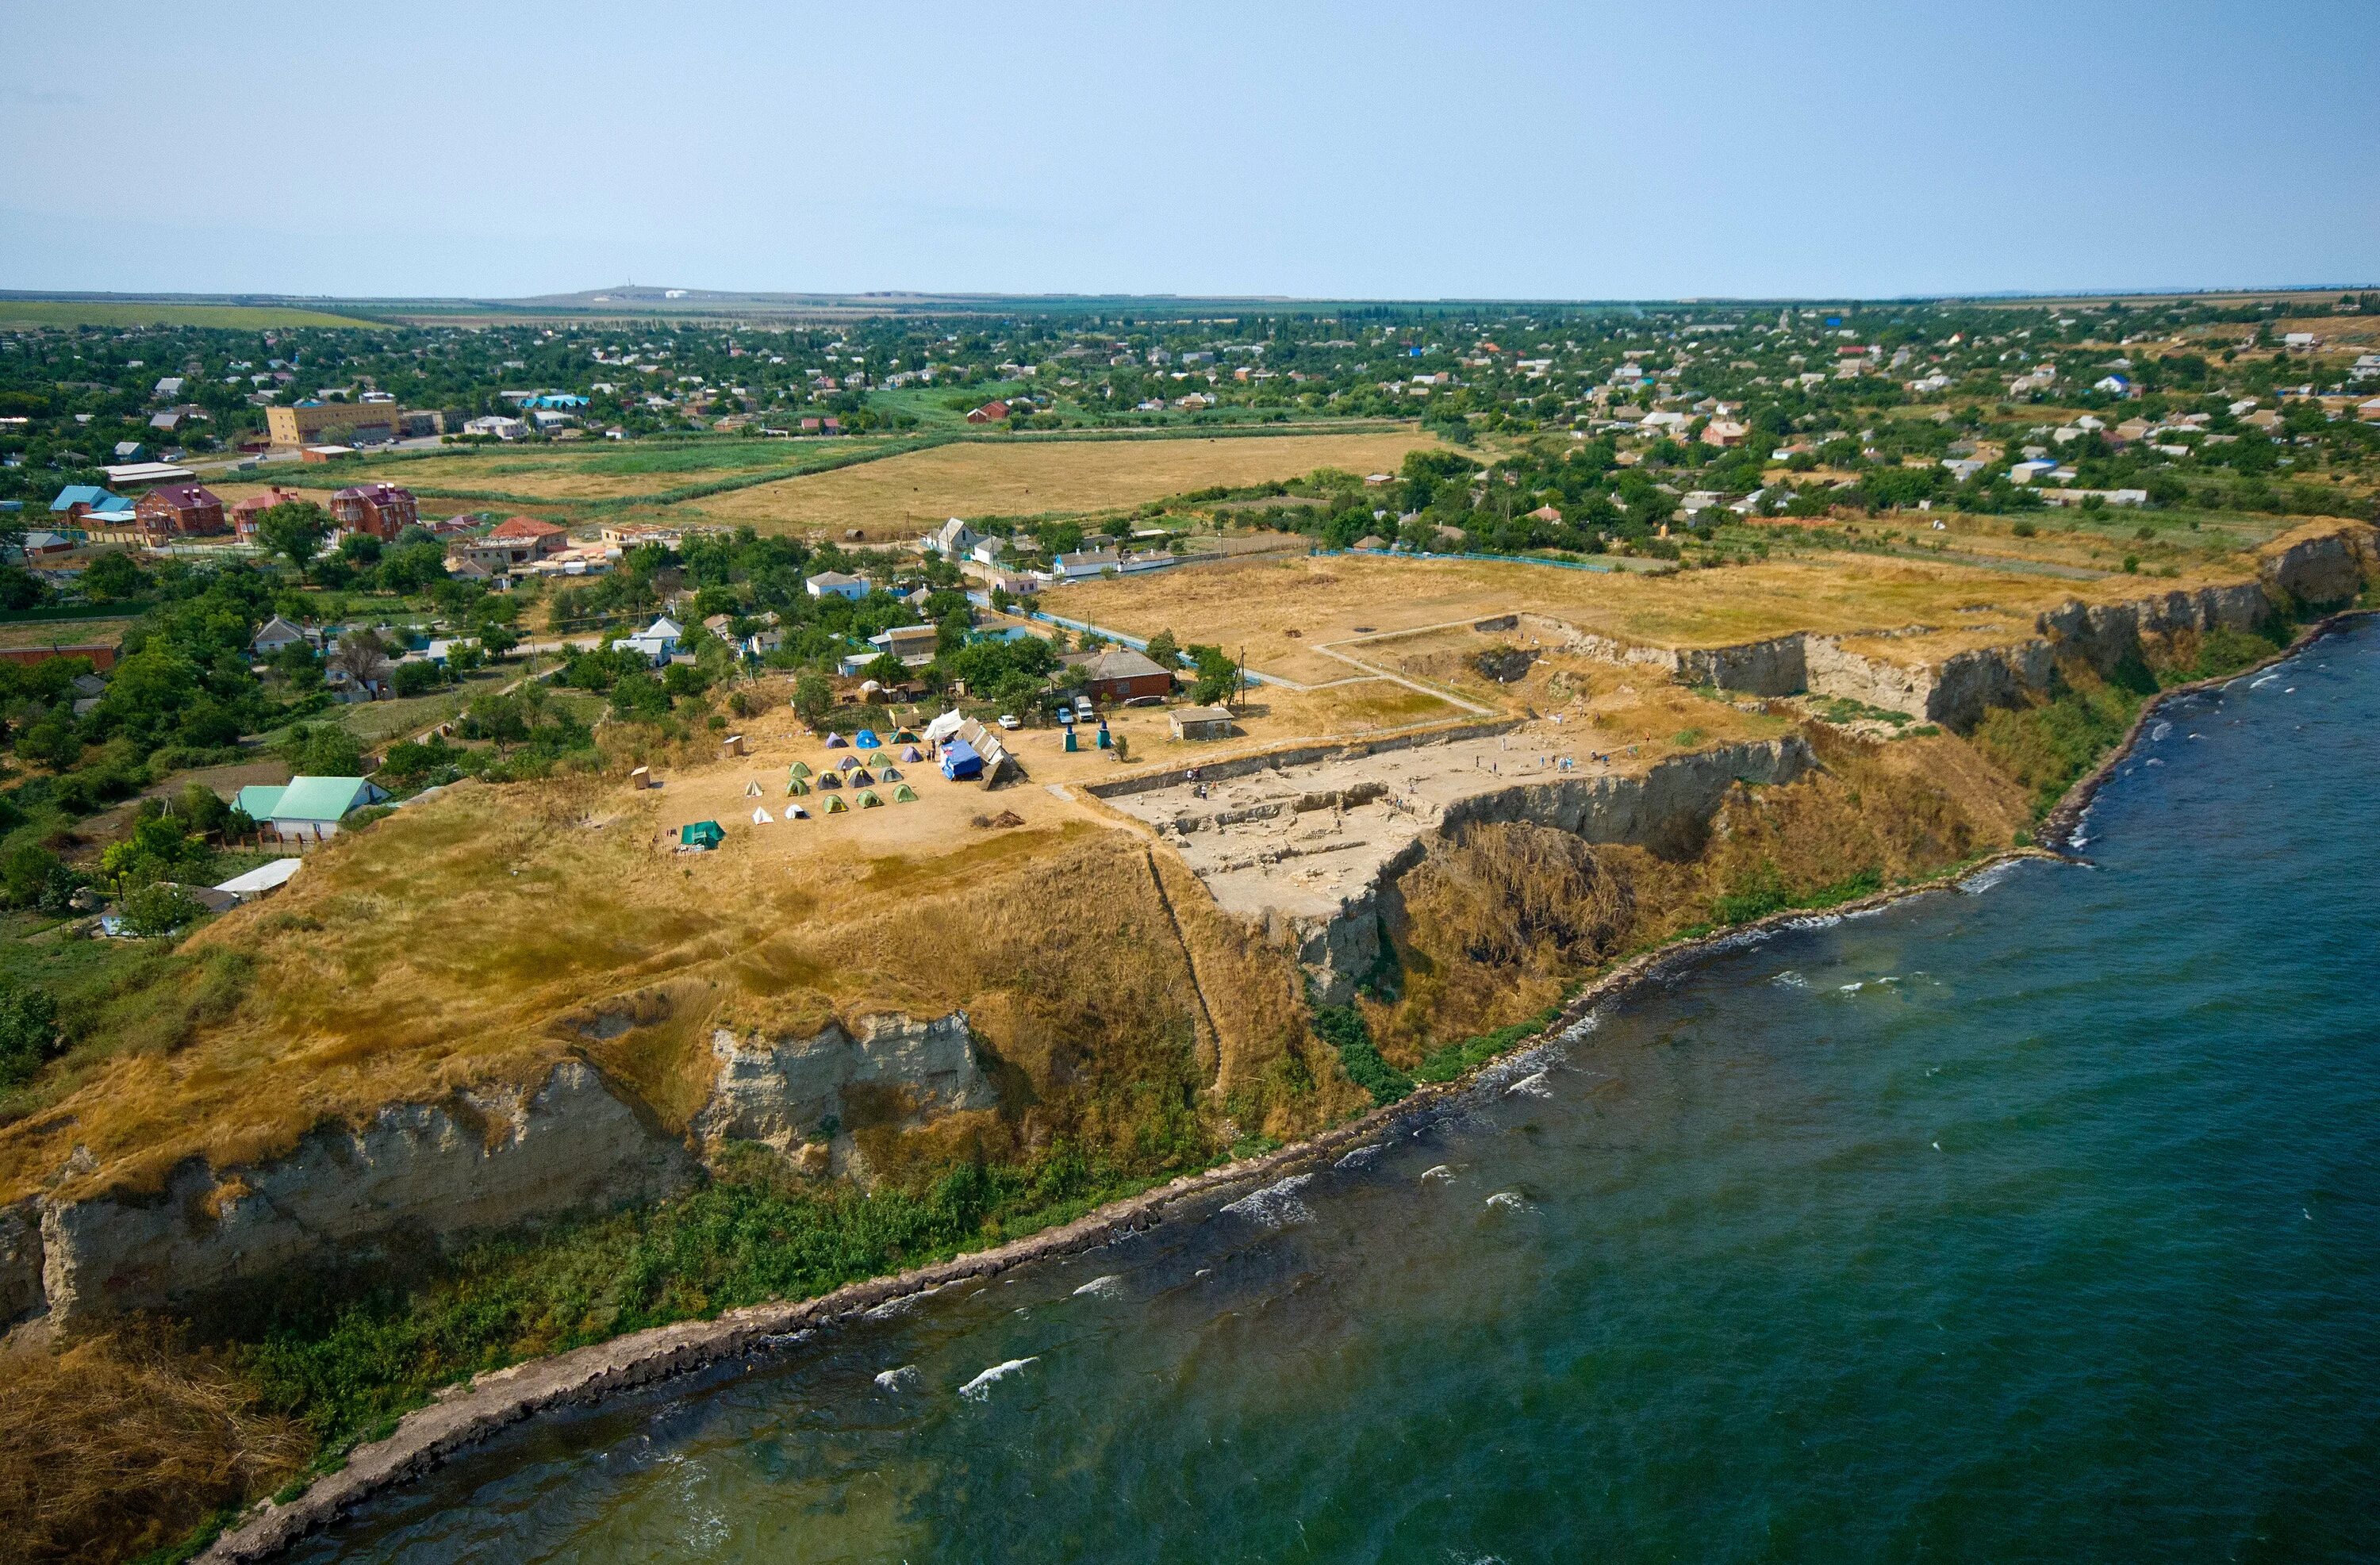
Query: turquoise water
x=2035, y=1223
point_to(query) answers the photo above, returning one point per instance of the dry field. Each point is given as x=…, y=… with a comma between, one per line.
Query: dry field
x=1281, y=609
x=903, y=494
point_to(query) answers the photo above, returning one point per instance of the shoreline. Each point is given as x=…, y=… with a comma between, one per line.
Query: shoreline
x=475, y=1411
x=2065, y=817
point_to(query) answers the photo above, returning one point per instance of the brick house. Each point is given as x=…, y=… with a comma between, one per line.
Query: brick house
x=1119, y=674
x=245, y=512
x=380, y=509
x=180, y=510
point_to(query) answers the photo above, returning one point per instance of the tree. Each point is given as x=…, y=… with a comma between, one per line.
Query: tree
x=26, y=872
x=112, y=578
x=294, y=530
x=418, y=679
x=322, y=750
x=813, y=696
x=160, y=910
x=29, y=1031
x=362, y=655
x=1163, y=651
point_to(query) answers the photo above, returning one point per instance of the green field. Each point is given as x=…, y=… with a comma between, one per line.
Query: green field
x=114, y=312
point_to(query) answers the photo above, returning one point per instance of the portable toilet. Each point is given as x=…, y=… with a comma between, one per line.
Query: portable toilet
x=1105, y=742
x=731, y=745
x=1070, y=746
x=641, y=778
x=702, y=834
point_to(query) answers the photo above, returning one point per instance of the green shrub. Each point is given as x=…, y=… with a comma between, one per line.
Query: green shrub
x=1343, y=1028
x=29, y=1031
x=160, y=910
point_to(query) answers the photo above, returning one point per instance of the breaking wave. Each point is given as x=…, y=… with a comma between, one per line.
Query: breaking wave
x=979, y=1389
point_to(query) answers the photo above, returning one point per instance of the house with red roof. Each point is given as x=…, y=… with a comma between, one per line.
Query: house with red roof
x=991, y=412
x=380, y=509
x=178, y=511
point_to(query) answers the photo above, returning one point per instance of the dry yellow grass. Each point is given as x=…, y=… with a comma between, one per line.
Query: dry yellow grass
x=903, y=494
x=122, y=1443
x=1260, y=602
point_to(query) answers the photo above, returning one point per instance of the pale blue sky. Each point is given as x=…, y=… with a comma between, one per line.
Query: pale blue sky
x=1370, y=150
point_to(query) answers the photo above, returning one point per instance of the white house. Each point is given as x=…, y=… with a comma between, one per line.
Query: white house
x=988, y=550
x=658, y=640
x=953, y=540
x=835, y=584
x=277, y=633
x=496, y=425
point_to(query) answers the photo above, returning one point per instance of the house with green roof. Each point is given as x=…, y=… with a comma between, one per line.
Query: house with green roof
x=307, y=809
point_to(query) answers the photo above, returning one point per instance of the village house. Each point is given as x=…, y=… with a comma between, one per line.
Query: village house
x=835, y=584
x=658, y=641
x=77, y=502
x=953, y=540
x=176, y=511
x=278, y=633
x=991, y=412
x=244, y=512
x=383, y=510
x=1119, y=674
x=307, y=809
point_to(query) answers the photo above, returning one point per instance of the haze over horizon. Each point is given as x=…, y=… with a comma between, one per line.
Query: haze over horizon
x=1313, y=152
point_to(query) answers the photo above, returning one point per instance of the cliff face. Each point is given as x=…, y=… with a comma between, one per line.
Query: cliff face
x=790, y=1092
x=20, y=1261
x=477, y=1161
x=1667, y=810
x=1958, y=690
x=2327, y=570
x=480, y=1161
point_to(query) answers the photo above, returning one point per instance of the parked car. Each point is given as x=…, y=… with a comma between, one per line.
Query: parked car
x=1008, y=719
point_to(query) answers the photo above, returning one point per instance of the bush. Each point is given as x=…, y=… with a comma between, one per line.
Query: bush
x=29, y=1031
x=417, y=679
x=1343, y=1028
x=160, y=910
x=322, y=750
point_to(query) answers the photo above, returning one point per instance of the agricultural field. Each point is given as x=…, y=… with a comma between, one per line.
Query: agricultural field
x=117, y=313
x=903, y=494
x=1283, y=610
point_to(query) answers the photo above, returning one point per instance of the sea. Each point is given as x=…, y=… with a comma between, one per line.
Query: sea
x=2033, y=1220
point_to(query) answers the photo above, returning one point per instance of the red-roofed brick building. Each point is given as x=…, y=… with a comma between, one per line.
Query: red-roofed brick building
x=990, y=413
x=245, y=512
x=517, y=540
x=179, y=510
x=380, y=509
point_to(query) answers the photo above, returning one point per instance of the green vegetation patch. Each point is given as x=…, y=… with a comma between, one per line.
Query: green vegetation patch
x=349, y=1356
x=1344, y=1029
x=113, y=312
